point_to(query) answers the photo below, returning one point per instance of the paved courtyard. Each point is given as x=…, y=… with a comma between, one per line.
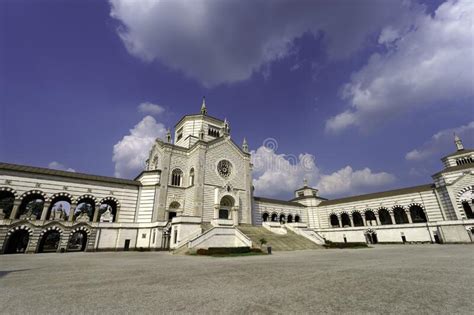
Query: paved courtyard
x=413, y=279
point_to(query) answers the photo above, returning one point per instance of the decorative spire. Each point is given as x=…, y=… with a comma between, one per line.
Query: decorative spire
x=226, y=127
x=305, y=182
x=458, y=142
x=201, y=134
x=168, y=135
x=203, y=106
x=245, y=146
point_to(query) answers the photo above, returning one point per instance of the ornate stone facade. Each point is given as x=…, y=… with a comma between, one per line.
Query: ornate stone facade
x=197, y=189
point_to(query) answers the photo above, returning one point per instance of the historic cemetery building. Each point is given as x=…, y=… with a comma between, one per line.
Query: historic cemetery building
x=196, y=192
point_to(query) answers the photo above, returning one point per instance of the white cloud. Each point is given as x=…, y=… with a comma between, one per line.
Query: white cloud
x=131, y=152
x=276, y=174
x=226, y=41
x=61, y=167
x=280, y=174
x=150, y=108
x=442, y=141
x=429, y=63
x=348, y=181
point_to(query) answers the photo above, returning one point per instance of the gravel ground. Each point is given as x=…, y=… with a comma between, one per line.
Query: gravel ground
x=416, y=279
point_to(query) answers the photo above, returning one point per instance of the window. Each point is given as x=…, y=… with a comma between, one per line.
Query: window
x=179, y=134
x=213, y=131
x=191, y=177
x=300, y=194
x=224, y=168
x=144, y=235
x=176, y=177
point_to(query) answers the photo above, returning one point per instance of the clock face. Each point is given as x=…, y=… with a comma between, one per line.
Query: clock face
x=224, y=168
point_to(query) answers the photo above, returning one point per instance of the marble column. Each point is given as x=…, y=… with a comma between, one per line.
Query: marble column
x=96, y=213
x=44, y=213
x=377, y=218
x=363, y=219
x=392, y=217
x=71, y=212
x=409, y=216
x=339, y=221
x=15, y=209
x=352, y=220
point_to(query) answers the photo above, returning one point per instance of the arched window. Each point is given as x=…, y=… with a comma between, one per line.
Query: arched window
x=274, y=217
x=85, y=208
x=77, y=241
x=289, y=219
x=265, y=217
x=172, y=210
x=282, y=218
x=468, y=210
x=357, y=218
x=31, y=206
x=417, y=214
x=176, y=177
x=6, y=202
x=60, y=207
x=297, y=218
x=191, y=177
x=346, y=221
x=108, y=210
x=17, y=242
x=334, y=220
x=370, y=217
x=400, y=216
x=384, y=217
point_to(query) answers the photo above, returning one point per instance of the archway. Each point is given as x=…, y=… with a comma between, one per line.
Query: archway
x=371, y=237
x=85, y=209
x=108, y=210
x=282, y=218
x=77, y=242
x=289, y=219
x=31, y=206
x=297, y=218
x=7, y=199
x=370, y=218
x=17, y=242
x=417, y=214
x=274, y=217
x=50, y=242
x=384, y=217
x=334, y=220
x=60, y=207
x=265, y=217
x=357, y=218
x=467, y=210
x=226, y=204
x=345, y=220
x=400, y=215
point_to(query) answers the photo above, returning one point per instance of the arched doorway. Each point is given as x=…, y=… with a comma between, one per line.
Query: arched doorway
x=400, y=216
x=417, y=214
x=282, y=218
x=345, y=220
x=50, y=242
x=17, y=242
x=77, y=242
x=297, y=218
x=371, y=237
x=274, y=217
x=467, y=210
x=226, y=204
x=265, y=217
x=384, y=217
x=357, y=218
x=173, y=210
x=6, y=202
x=289, y=219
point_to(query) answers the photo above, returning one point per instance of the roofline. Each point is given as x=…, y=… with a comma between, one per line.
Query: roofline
x=66, y=174
x=458, y=152
x=454, y=168
x=201, y=142
x=387, y=193
x=197, y=115
x=308, y=197
x=277, y=201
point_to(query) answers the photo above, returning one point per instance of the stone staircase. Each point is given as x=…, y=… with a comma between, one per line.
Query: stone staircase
x=287, y=242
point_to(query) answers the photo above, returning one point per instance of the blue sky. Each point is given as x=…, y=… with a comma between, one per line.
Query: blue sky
x=372, y=90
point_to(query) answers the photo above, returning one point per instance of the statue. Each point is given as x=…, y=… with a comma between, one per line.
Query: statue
x=107, y=216
x=58, y=213
x=83, y=217
x=2, y=214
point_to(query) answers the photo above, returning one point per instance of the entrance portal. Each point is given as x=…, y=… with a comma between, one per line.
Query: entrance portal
x=77, y=242
x=371, y=237
x=50, y=242
x=17, y=242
